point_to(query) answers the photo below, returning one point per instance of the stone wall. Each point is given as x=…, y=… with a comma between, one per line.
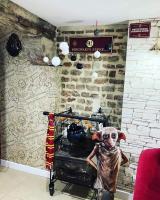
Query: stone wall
x=84, y=93
x=80, y=90
x=26, y=90
x=27, y=87
x=141, y=102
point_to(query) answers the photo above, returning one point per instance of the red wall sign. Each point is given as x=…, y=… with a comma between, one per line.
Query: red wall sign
x=139, y=30
x=91, y=44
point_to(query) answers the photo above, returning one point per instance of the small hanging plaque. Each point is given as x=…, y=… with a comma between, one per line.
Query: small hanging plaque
x=91, y=44
x=139, y=30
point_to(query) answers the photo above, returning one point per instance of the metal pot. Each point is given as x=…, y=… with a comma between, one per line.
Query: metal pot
x=76, y=133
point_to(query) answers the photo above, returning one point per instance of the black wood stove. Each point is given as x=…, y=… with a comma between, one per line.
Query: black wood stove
x=71, y=165
x=70, y=159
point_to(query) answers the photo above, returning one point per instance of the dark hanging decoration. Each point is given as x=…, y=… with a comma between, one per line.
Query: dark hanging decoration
x=73, y=57
x=14, y=45
x=96, y=31
x=79, y=66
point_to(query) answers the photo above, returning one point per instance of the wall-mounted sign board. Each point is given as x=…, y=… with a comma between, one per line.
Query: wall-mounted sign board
x=91, y=44
x=139, y=30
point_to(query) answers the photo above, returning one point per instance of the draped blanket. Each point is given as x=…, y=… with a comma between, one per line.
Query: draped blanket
x=50, y=142
x=147, y=185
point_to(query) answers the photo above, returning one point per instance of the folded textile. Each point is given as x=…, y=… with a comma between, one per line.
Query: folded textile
x=50, y=141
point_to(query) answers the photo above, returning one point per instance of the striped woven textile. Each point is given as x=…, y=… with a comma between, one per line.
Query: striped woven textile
x=50, y=141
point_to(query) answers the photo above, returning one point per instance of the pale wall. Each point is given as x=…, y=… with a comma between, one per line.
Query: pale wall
x=141, y=102
x=26, y=90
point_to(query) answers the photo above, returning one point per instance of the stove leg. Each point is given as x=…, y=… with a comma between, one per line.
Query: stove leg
x=51, y=188
x=51, y=184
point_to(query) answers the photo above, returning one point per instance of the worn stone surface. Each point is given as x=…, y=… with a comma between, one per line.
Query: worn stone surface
x=25, y=21
x=30, y=89
x=105, y=89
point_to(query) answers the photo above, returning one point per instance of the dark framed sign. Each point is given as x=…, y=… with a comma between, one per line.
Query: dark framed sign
x=139, y=30
x=91, y=44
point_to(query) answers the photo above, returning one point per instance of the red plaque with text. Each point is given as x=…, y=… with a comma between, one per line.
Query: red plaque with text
x=139, y=30
x=91, y=44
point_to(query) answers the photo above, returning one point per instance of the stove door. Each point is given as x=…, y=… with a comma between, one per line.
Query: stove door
x=74, y=170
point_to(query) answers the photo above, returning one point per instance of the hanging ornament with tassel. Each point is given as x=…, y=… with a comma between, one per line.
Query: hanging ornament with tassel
x=96, y=31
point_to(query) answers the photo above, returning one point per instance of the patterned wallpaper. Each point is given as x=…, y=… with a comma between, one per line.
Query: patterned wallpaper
x=26, y=91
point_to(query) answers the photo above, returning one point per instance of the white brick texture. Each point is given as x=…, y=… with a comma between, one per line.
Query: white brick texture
x=141, y=101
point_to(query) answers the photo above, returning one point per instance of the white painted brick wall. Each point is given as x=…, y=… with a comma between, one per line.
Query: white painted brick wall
x=141, y=101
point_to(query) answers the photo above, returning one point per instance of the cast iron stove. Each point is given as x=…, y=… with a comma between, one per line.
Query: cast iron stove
x=71, y=165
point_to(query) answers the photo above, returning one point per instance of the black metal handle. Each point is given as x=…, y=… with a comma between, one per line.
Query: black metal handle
x=58, y=114
x=78, y=117
x=68, y=114
x=45, y=113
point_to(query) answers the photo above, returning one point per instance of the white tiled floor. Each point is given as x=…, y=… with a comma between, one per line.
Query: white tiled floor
x=17, y=185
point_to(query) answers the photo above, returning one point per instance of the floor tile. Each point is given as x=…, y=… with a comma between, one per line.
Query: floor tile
x=17, y=185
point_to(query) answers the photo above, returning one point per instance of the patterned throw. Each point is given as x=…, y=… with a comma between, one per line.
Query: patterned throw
x=50, y=142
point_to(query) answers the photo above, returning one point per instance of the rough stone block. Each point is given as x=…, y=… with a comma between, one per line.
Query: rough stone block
x=120, y=66
x=92, y=88
x=71, y=87
x=75, y=93
x=65, y=79
x=115, y=81
x=94, y=96
x=75, y=72
x=79, y=107
x=67, y=64
x=85, y=94
x=118, y=97
x=66, y=93
x=101, y=80
x=113, y=58
x=65, y=72
x=109, y=66
x=85, y=80
x=81, y=101
x=71, y=99
x=108, y=88
x=109, y=96
x=88, y=66
x=80, y=87
x=111, y=104
x=109, y=30
x=87, y=108
x=112, y=73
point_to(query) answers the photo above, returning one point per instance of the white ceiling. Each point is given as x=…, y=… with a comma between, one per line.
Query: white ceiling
x=86, y=12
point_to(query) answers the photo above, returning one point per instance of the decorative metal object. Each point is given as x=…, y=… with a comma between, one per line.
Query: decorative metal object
x=79, y=66
x=14, y=45
x=73, y=57
x=96, y=31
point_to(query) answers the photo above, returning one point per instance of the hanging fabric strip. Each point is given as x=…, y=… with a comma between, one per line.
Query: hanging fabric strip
x=50, y=141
